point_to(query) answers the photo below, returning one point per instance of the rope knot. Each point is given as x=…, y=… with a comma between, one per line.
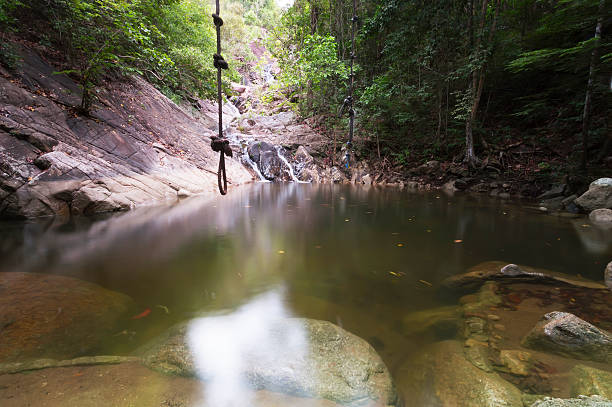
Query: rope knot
x=219, y=144
x=219, y=62
x=217, y=20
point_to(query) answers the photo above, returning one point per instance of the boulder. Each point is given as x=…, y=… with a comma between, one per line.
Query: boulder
x=601, y=217
x=567, y=335
x=441, y=377
x=598, y=196
x=48, y=316
x=555, y=191
x=270, y=165
x=255, y=150
x=332, y=364
x=588, y=381
x=501, y=271
x=583, y=401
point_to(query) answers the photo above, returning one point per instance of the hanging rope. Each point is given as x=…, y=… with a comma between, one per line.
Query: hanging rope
x=348, y=102
x=219, y=143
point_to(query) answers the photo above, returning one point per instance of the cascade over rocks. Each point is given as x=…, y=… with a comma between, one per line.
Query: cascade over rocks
x=55, y=317
x=336, y=364
x=567, y=335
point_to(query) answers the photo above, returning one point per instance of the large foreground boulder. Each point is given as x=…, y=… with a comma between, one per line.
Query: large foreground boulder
x=567, y=335
x=442, y=377
x=330, y=364
x=598, y=196
x=47, y=316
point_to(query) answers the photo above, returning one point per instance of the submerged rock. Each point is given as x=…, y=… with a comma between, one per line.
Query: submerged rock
x=608, y=275
x=335, y=364
x=443, y=322
x=598, y=196
x=567, y=335
x=588, y=381
x=594, y=401
x=501, y=271
x=601, y=217
x=442, y=377
x=55, y=317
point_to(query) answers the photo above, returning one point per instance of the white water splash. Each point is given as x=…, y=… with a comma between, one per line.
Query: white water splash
x=247, y=159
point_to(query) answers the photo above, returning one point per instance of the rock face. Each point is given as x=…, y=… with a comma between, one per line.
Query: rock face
x=595, y=401
x=601, y=217
x=135, y=147
x=442, y=377
x=567, y=335
x=599, y=196
x=55, y=317
x=588, y=381
x=336, y=365
x=501, y=271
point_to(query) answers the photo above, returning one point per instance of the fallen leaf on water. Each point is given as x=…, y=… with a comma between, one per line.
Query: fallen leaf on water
x=400, y=274
x=428, y=231
x=426, y=283
x=78, y=374
x=142, y=314
x=458, y=241
x=281, y=252
x=347, y=220
x=400, y=245
x=586, y=226
x=317, y=247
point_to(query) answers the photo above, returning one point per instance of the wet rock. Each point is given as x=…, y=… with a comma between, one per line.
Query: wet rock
x=255, y=150
x=601, y=217
x=442, y=377
x=555, y=191
x=336, y=364
x=599, y=196
x=504, y=272
x=567, y=335
x=336, y=176
x=55, y=317
x=553, y=204
x=516, y=362
x=608, y=275
x=588, y=381
x=583, y=401
x=478, y=354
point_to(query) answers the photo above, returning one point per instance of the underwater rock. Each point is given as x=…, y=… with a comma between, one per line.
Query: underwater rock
x=443, y=322
x=501, y=271
x=567, y=335
x=442, y=377
x=601, y=217
x=516, y=362
x=583, y=401
x=48, y=316
x=334, y=364
x=588, y=381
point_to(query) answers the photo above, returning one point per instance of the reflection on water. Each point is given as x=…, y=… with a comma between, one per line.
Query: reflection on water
x=224, y=345
x=362, y=258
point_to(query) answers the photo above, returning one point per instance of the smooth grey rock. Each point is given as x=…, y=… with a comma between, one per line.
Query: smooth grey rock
x=442, y=377
x=588, y=381
x=594, y=401
x=335, y=365
x=567, y=335
x=255, y=150
x=599, y=196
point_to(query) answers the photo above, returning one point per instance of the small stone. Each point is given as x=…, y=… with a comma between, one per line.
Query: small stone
x=183, y=193
x=512, y=270
x=499, y=327
x=493, y=317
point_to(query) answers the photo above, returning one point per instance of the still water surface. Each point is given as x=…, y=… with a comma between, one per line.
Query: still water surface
x=359, y=257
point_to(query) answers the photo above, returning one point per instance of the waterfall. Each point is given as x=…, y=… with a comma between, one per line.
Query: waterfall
x=291, y=173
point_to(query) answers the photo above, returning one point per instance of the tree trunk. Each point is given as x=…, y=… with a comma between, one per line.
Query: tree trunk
x=586, y=114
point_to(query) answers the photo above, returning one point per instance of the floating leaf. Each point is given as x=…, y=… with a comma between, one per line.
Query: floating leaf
x=458, y=241
x=426, y=283
x=281, y=252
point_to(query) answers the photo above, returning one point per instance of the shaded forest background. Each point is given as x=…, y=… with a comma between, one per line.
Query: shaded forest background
x=521, y=87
